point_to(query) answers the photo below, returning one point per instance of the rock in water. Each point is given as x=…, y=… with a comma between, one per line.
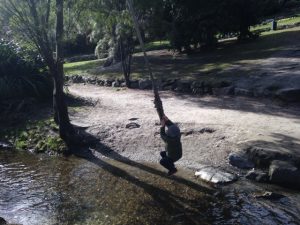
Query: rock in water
x=269, y=196
x=240, y=161
x=284, y=173
x=257, y=176
x=215, y=176
x=5, y=145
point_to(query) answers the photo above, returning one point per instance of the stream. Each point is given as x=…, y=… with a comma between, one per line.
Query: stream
x=37, y=189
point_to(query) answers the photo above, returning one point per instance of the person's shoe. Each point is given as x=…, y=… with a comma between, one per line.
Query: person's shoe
x=171, y=172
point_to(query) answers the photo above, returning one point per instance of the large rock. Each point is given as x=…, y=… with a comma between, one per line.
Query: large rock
x=289, y=94
x=145, y=84
x=262, y=157
x=240, y=160
x=215, y=176
x=284, y=173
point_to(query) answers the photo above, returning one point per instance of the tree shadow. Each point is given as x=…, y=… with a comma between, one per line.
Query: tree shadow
x=188, y=211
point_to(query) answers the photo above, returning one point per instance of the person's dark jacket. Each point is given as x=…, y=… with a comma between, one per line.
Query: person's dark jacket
x=173, y=144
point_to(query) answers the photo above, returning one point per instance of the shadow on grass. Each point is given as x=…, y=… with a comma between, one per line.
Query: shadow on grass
x=227, y=54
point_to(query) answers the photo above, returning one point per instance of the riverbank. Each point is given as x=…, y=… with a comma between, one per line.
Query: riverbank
x=229, y=124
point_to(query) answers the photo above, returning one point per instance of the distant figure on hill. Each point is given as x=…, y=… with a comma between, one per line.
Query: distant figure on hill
x=173, y=149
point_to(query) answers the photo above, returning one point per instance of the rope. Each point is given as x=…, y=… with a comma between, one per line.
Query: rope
x=157, y=101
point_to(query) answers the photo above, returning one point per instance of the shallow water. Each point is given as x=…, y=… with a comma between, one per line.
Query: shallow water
x=55, y=190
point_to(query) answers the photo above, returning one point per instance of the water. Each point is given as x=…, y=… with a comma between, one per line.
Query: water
x=52, y=190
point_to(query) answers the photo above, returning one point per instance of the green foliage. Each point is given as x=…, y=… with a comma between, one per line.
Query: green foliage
x=22, y=73
x=78, y=45
x=39, y=137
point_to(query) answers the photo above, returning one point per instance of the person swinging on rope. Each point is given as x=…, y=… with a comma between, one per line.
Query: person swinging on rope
x=173, y=148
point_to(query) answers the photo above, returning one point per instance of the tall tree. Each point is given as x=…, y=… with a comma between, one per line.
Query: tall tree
x=32, y=20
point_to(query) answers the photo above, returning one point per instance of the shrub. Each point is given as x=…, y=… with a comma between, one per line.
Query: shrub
x=22, y=73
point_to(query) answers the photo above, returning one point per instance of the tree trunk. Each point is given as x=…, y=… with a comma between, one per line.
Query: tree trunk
x=126, y=56
x=60, y=107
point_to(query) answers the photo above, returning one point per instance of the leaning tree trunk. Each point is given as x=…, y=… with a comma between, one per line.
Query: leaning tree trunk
x=157, y=100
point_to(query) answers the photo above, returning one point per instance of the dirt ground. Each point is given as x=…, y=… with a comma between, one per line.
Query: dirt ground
x=232, y=123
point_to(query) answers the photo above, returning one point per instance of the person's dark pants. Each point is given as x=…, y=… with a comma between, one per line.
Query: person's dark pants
x=166, y=161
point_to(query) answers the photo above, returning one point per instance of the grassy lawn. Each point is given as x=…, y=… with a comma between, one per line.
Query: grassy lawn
x=229, y=60
x=285, y=21
x=155, y=45
x=81, y=67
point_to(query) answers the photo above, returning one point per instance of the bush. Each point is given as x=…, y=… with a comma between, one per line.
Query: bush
x=22, y=73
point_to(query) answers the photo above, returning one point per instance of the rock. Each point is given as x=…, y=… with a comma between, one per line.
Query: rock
x=115, y=84
x=133, y=119
x=197, y=88
x=123, y=84
x=215, y=176
x=108, y=82
x=77, y=79
x=284, y=173
x=197, y=131
x=134, y=84
x=100, y=82
x=132, y=125
x=207, y=130
x=289, y=94
x=145, y=84
x=243, y=92
x=183, y=86
x=168, y=85
x=5, y=145
x=91, y=80
x=223, y=91
x=269, y=196
x=262, y=157
x=257, y=176
x=240, y=160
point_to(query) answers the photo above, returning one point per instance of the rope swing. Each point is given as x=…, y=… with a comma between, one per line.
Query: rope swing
x=157, y=101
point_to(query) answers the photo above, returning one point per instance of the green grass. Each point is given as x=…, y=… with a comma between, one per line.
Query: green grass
x=155, y=45
x=281, y=22
x=213, y=65
x=82, y=67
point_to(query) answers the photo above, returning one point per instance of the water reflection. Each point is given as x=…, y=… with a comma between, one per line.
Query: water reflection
x=44, y=190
